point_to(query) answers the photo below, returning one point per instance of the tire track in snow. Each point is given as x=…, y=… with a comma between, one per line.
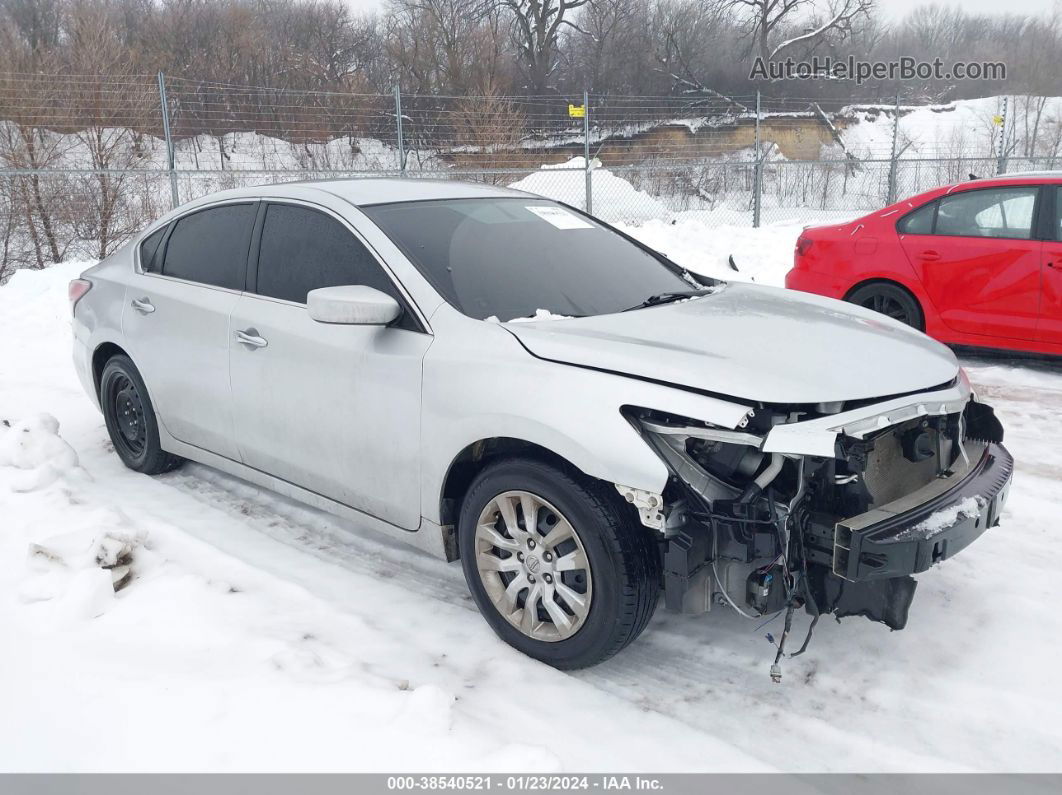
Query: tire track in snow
x=682, y=667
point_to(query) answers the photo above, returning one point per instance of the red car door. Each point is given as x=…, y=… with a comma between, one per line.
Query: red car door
x=981, y=264
x=1050, y=324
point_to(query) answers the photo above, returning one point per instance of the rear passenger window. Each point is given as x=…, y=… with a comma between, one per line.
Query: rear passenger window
x=303, y=249
x=920, y=222
x=149, y=250
x=210, y=246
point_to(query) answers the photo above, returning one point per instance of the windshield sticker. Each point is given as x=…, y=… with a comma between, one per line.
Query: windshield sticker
x=559, y=217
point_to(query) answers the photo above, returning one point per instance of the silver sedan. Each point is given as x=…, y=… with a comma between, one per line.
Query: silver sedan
x=499, y=378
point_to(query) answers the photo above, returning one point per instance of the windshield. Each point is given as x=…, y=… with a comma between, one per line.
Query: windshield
x=514, y=258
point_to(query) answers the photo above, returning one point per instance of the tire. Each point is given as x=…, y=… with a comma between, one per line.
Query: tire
x=130, y=418
x=890, y=300
x=620, y=581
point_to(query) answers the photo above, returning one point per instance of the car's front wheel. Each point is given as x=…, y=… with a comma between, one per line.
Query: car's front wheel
x=561, y=569
x=130, y=418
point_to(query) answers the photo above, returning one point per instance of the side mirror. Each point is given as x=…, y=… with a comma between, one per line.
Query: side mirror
x=352, y=305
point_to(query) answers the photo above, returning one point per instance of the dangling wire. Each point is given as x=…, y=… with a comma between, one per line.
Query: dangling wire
x=776, y=669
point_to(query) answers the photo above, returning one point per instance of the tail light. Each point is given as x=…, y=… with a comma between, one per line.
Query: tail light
x=76, y=291
x=803, y=244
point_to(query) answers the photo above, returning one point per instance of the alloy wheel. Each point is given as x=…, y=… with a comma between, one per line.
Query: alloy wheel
x=890, y=307
x=533, y=566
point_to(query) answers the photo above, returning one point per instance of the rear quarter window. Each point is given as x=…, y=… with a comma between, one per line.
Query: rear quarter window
x=919, y=222
x=150, y=253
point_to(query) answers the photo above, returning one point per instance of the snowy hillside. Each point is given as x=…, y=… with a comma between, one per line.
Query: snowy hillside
x=255, y=634
x=966, y=128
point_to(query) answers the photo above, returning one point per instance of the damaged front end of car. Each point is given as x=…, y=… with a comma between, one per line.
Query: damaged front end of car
x=831, y=508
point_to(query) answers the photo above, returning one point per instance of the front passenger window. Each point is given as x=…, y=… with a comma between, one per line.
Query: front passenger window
x=303, y=249
x=994, y=212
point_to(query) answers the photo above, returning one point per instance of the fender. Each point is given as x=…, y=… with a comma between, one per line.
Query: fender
x=571, y=411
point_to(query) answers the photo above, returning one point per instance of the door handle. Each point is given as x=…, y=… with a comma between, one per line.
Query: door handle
x=250, y=337
x=929, y=256
x=142, y=305
x=1054, y=265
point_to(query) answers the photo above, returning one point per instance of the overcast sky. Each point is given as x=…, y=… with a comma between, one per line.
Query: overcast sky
x=897, y=8
x=889, y=8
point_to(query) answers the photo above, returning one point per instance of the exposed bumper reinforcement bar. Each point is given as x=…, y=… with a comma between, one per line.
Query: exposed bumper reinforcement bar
x=899, y=539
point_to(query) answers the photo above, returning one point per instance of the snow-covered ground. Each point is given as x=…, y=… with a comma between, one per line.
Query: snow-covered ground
x=257, y=634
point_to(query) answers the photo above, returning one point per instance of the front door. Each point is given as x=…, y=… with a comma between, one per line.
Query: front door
x=981, y=264
x=1050, y=325
x=334, y=409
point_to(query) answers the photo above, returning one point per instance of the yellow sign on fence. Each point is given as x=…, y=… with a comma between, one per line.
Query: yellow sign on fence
x=577, y=111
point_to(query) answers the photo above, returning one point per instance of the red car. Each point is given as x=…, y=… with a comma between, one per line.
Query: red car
x=975, y=264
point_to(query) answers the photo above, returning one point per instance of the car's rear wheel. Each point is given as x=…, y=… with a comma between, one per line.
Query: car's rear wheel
x=892, y=301
x=560, y=568
x=130, y=418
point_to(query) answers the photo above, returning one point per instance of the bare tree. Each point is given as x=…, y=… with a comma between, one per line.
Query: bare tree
x=109, y=132
x=775, y=26
x=536, y=26
x=686, y=42
x=489, y=129
x=30, y=107
x=448, y=46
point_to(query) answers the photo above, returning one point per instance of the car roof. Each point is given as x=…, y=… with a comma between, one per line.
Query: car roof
x=367, y=191
x=1013, y=176
x=1046, y=174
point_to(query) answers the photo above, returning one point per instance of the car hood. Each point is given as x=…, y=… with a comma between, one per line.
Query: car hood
x=753, y=343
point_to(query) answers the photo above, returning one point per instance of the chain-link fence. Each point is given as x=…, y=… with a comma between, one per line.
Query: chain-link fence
x=87, y=161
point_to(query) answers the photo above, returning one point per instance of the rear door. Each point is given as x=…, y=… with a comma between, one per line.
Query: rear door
x=980, y=260
x=176, y=318
x=334, y=409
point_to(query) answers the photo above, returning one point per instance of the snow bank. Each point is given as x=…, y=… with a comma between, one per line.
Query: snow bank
x=762, y=255
x=566, y=182
x=35, y=448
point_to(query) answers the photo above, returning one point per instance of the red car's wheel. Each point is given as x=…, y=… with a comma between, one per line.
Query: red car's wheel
x=890, y=300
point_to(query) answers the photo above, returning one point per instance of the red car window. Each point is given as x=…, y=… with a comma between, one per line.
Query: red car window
x=994, y=212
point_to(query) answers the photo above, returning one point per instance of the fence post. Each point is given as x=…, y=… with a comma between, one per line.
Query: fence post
x=398, y=128
x=586, y=153
x=174, y=199
x=893, y=161
x=757, y=173
x=1001, y=162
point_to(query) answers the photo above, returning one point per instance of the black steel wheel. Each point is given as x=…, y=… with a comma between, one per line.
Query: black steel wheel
x=130, y=418
x=892, y=301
